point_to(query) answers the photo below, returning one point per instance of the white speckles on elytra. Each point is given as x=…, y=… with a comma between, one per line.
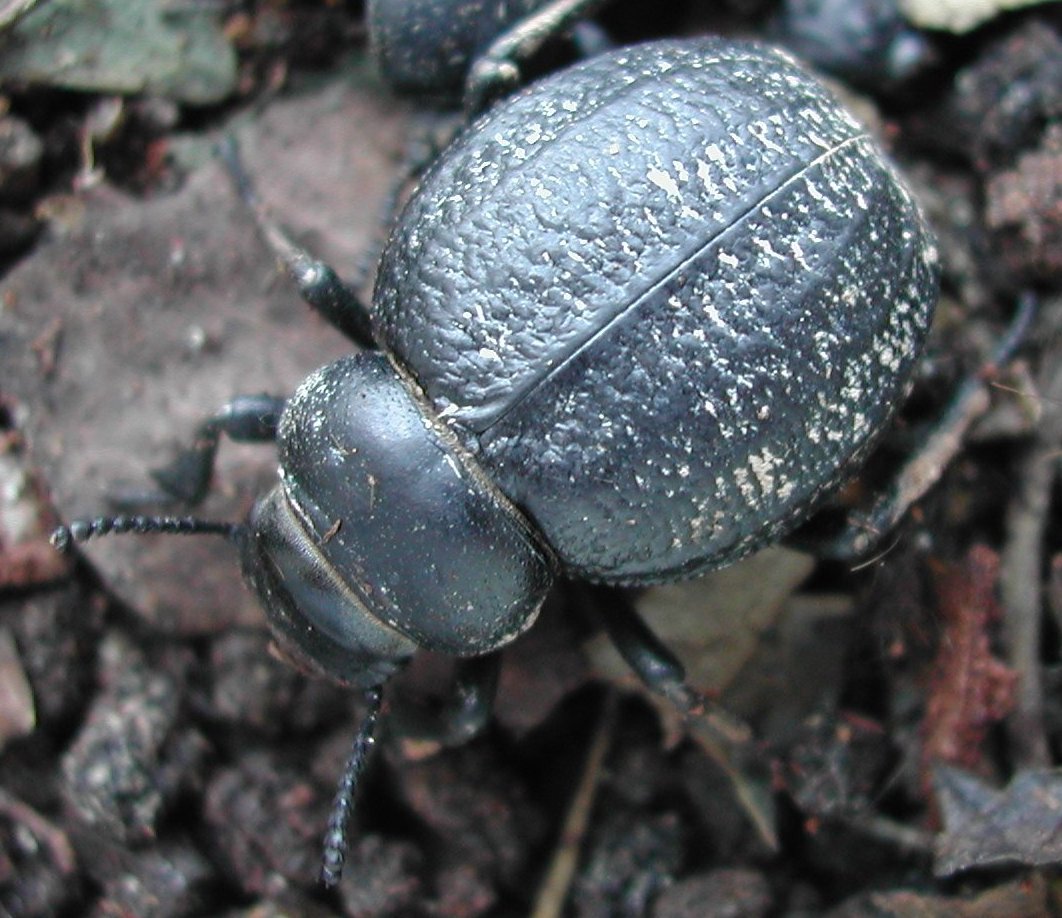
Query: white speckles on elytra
x=765, y=247
x=664, y=181
x=763, y=465
x=771, y=135
x=744, y=485
x=888, y=357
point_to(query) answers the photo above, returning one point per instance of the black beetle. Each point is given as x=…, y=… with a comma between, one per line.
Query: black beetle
x=634, y=324
x=470, y=49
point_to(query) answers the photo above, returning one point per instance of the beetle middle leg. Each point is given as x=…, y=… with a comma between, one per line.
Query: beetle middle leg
x=254, y=418
x=430, y=133
x=497, y=70
x=318, y=284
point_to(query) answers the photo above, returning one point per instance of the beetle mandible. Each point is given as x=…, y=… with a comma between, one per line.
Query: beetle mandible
x=635, y=323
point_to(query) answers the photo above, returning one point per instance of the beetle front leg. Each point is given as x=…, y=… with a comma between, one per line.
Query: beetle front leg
x=318, y=284
x=497, y=70
x=246, y=419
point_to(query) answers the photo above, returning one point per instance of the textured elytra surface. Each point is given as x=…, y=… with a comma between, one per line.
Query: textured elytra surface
x=667, y=297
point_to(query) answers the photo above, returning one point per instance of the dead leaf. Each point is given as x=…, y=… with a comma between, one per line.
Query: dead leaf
x=18, y=715
x=1028, y=898
x=971, y=689
x=984, y=827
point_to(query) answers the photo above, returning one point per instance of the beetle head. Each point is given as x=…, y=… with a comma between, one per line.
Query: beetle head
x=319, y=622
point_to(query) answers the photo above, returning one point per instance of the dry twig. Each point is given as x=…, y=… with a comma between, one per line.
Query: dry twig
x=1022, y=558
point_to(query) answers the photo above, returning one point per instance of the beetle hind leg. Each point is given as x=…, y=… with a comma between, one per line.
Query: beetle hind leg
x=862, y=531
x=497, y=71
x=650, y=659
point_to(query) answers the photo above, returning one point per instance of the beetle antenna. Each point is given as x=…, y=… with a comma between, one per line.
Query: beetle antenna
x=335, y=840
x=64, y=537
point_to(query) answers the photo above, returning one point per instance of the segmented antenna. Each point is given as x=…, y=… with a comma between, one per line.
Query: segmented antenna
x=64, y=537
x=335, y=840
